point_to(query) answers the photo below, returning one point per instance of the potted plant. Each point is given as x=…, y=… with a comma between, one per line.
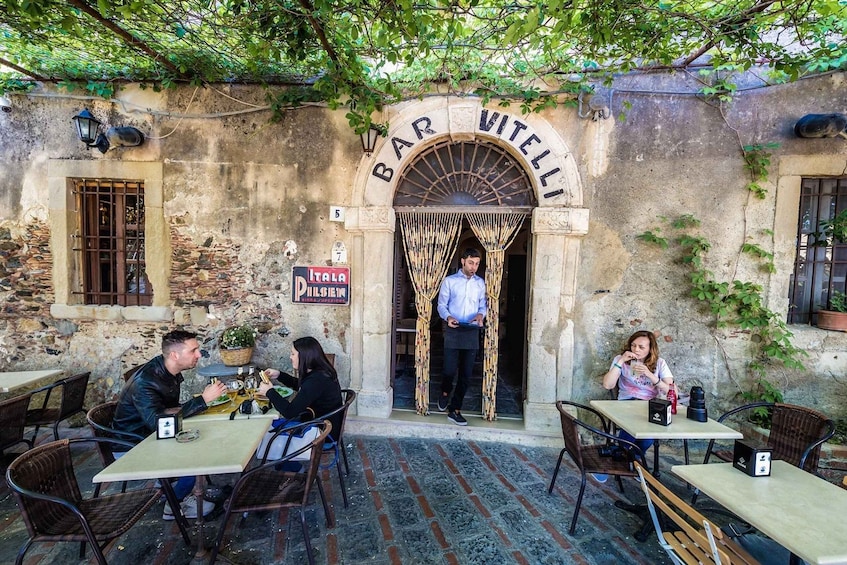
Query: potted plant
x=835, y=229
x=835, y=317
x=237, y=343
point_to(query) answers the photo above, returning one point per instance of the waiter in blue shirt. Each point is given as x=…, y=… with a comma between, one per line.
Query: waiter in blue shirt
x=462, y=304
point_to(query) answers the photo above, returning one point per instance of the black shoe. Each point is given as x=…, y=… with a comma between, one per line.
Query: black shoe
x=442, y=403
x=457, y=419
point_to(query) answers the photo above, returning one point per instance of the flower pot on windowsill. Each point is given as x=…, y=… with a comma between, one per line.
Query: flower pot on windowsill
x=832, y=320
x=236, y=357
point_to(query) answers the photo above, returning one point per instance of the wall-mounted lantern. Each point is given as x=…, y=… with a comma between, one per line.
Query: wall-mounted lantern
x=87, y=126
x=370, y=137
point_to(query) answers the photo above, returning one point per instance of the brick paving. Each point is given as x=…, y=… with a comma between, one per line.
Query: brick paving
x=411, y=501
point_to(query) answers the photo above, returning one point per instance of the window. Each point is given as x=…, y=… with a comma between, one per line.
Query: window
x=819, y=266
x=111, y=242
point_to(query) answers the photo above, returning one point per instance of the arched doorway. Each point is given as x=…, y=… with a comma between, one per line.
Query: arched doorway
x=471, y=177
x=556, y=227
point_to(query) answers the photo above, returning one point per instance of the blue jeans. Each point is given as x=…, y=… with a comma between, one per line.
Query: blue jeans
x=461, y=361
x=644, y=444
x=183, y=487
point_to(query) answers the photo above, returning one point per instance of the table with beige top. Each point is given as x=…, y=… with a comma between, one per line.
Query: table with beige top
x=11, y=381
x=800, y=511
x=631, y=415
x=222, y=447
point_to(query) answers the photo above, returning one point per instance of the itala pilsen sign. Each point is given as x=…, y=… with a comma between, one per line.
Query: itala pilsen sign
x=321, y=285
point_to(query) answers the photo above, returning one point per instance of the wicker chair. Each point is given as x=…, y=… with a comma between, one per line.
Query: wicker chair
x=131, y=371
x=334, y=446
x=73, y=399
x=587, y=458
x=13, y=422
x=100, y=419
x=267, y=488
x=48, y=495
x=796, y=435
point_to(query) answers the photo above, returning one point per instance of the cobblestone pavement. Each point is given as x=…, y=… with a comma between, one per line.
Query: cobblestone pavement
x=411, y=501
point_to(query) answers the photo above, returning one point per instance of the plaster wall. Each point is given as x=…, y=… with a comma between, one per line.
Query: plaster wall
x=244, y=200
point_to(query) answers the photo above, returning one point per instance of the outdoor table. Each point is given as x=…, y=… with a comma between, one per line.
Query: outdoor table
x=223, y=447
x=800, y=511
x=225, y=410
x=13, y=380
x=631, y=415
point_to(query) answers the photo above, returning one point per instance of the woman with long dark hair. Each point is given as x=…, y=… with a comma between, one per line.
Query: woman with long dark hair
x=318, y=391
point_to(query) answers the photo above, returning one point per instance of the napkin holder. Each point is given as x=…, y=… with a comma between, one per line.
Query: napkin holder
x=169, y=423
x=752, y=459
x=659, y=411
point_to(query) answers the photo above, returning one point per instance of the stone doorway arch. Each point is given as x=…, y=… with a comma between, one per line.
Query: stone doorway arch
x=558, y=223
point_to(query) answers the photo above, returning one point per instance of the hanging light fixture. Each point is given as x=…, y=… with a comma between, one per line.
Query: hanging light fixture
x=87, y=126
x=369, y=139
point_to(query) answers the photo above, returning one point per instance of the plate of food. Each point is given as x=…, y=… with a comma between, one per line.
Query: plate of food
x=222, y=399
x=282, y=390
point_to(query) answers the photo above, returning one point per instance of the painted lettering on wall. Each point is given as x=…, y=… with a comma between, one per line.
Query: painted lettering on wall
x=321, y=285
x=510, y=129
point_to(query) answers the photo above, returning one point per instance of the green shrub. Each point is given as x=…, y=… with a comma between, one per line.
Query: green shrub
x=765, y=392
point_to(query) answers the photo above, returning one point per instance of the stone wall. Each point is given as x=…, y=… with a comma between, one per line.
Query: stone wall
x=244, y=200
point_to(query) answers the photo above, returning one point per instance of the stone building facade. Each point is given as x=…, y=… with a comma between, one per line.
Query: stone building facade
x=233, y=202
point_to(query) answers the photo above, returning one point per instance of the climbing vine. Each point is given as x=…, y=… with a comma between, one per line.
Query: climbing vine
x=736, y=303
x=757, y=159
x=372, y=52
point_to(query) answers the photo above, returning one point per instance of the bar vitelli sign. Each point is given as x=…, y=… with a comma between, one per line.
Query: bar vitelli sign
x=517, y=133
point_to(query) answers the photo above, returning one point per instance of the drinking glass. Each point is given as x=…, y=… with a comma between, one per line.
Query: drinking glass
x=250, y=385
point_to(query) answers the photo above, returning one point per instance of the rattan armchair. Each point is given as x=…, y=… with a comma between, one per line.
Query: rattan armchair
x=13, y=422
x=73, y=398
x=266, y=487
x=100, y=419
x=52, y=507
x=336, y=446
x=587, y=458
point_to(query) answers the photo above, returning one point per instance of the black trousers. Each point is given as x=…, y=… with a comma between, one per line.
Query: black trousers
x=459, y=361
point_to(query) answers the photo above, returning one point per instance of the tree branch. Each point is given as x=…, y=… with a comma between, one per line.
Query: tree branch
x=319, y=30
x=126, y=36
x=22, y=70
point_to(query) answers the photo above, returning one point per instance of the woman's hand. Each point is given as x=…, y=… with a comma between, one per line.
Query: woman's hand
x=272, y=373
x=626, y=356
x=265, y=387
x=662, y=387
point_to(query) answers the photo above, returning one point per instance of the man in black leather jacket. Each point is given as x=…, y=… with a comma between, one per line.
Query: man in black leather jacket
x=155, y=387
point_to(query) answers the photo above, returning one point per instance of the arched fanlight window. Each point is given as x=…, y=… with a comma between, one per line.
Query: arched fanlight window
x=465, y=173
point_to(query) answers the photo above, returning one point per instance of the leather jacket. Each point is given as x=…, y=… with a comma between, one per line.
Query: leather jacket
x=148, y=393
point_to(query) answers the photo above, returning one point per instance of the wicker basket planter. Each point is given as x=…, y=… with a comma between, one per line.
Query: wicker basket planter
x=236, y=357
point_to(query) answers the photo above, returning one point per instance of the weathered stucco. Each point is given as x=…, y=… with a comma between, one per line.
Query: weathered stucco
x=244, y=200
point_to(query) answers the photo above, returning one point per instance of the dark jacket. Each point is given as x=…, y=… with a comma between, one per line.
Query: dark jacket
x=147, y=394
x=317, y=390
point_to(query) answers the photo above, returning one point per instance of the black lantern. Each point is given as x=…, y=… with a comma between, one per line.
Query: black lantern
x=369, y=139
x=87, y=125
